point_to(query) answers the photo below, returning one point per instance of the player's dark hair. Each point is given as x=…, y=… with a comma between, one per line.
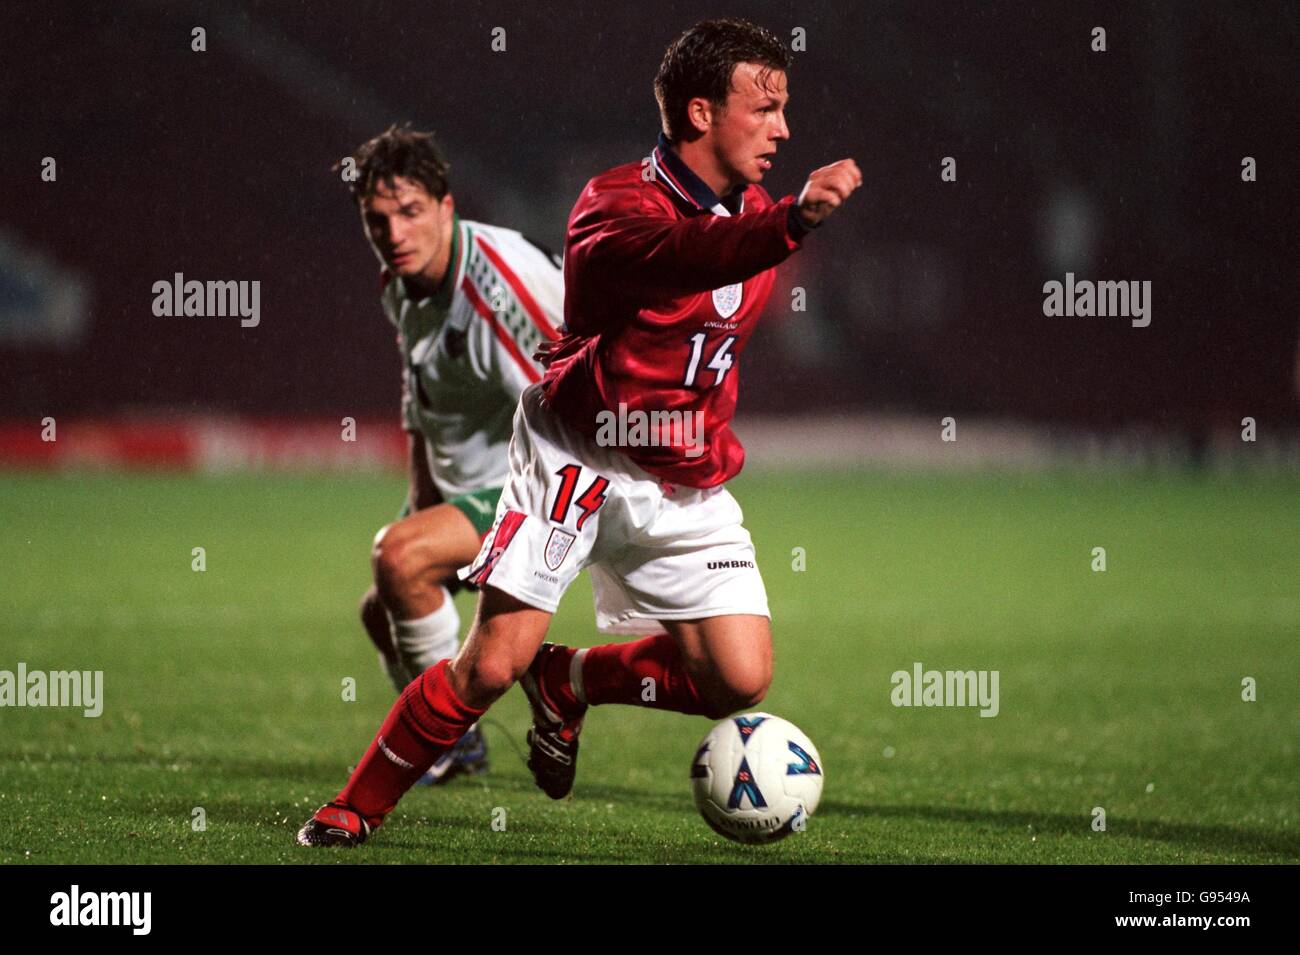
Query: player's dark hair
x=700, y=63
x=399, y=151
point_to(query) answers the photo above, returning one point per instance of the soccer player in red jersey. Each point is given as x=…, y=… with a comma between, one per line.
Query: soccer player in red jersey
x=620, y=454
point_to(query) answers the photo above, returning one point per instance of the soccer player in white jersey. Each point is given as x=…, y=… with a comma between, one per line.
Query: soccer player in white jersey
x=471, y=303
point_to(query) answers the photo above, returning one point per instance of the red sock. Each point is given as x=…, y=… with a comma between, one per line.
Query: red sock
x=616, y=673
x=427, y=720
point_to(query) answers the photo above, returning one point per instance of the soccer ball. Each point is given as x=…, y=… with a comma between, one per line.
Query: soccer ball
x=757, y=778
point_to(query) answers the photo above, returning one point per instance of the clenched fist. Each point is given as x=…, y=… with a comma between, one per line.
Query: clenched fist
x=826, y=189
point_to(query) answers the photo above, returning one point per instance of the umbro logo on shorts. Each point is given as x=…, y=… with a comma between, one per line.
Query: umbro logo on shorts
x=728, y=564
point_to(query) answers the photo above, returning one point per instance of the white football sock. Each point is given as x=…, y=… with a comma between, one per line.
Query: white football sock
x=422, y=643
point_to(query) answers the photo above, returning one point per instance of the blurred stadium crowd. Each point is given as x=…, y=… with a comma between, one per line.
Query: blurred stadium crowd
x=925, y=302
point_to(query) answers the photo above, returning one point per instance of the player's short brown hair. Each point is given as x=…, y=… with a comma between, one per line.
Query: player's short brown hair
x=700, y=63
x=399, y=151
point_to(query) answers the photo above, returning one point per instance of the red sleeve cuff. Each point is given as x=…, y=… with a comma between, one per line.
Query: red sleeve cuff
x=794, y=226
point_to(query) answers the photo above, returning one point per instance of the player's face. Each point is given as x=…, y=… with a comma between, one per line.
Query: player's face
x=407, y=227
x=746, y=133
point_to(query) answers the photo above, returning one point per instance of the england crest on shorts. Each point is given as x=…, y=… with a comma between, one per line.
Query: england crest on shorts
x=727, y=299
x=557, y=547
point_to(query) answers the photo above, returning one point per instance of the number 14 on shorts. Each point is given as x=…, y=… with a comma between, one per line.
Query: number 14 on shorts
x=589, y=502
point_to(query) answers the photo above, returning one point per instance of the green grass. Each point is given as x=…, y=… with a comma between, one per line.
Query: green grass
x=1119, y=689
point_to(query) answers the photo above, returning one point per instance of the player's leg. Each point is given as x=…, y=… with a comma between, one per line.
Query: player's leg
x=500, y=645
x=708, y=667
x=512, y=560
x=414, y=559
x=561, y=491
x=727, y=659
x=374, y=618
x=430, y=716
x=690, y=569
x=415, y=562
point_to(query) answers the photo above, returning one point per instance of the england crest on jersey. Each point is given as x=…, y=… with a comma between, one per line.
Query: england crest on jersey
x=727, y=299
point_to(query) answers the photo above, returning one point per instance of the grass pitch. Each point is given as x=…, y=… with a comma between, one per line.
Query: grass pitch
x=1120, y=690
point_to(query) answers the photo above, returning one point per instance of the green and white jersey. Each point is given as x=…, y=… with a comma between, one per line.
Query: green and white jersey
x=467, y=350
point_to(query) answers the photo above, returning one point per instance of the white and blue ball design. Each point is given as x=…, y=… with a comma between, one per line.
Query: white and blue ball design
x=756, y=778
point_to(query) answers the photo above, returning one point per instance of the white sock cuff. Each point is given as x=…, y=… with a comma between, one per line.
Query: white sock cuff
x=430, y=622
x=575, y=675
x=424, y=641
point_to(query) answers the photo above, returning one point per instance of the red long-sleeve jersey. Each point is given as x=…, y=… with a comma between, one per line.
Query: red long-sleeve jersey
x=663, y=285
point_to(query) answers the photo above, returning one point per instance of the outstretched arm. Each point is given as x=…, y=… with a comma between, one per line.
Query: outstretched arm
x=632, y=240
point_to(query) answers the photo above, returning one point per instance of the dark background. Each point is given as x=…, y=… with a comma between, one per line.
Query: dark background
x=923, y=295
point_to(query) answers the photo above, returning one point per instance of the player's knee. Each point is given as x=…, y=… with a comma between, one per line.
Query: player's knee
x=393, y=556
x=739, y=689
x=723, y=703
x=489, y=676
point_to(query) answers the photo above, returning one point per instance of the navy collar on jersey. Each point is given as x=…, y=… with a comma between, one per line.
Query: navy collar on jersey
x=672, y=171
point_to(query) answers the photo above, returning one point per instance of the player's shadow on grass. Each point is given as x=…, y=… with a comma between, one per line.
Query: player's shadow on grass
x=1188, y=835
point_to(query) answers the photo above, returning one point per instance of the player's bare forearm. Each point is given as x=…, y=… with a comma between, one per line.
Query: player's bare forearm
x=826, y=190
x=422, y=491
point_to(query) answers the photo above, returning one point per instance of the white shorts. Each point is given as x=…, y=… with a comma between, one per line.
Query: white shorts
x=655, y=553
